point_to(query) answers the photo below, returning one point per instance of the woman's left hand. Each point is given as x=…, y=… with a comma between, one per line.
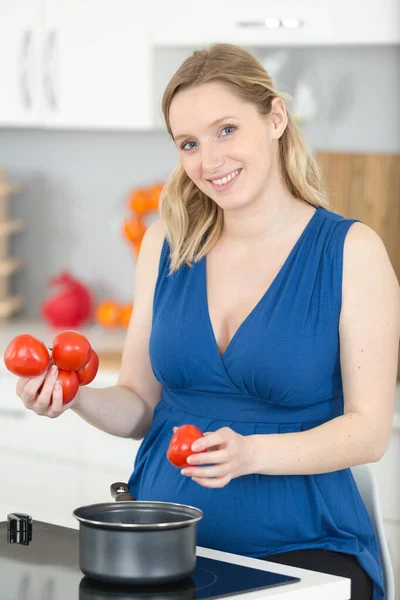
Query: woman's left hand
x=229, y=452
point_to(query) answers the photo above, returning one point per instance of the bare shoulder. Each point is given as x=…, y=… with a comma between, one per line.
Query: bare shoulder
x=364, y=253
x=368, y=273
x=150, y=248
x=361, y=238
x=154, y=237
x=148, y=261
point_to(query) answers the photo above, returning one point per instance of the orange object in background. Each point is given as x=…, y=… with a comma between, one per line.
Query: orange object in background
x=107, y=313
x=138, y=201
x=125, y=314
x=111, y=313
x=141, y=201
x=133, y=230
x=154, y=196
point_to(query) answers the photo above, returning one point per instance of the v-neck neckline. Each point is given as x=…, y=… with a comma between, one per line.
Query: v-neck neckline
x=267, y=292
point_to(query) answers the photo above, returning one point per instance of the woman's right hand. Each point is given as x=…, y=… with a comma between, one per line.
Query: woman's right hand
x=43, y=394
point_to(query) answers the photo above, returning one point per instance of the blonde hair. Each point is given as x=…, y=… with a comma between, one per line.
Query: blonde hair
x=193, y=222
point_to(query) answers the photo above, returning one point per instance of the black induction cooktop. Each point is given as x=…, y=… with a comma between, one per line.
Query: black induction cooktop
x=44, y=565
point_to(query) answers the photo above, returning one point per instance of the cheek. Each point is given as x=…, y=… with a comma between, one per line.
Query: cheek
x=261, y=158
x=192, y=166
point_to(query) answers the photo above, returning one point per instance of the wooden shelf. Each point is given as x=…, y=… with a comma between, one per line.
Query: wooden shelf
x=10, y=305
x=10, y=266
x=8, y=227
x=110, y=360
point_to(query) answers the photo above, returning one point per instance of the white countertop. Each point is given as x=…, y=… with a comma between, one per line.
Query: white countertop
x=313, y=585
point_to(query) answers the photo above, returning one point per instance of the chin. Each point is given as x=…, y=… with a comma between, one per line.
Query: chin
x=232, y=203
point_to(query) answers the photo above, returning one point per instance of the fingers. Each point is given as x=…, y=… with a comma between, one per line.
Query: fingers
x=27, y=388
x=36, y=392
x=205, y=472
x=43, y=399
x=56, y=407
x=216, y=482
x=208, y=458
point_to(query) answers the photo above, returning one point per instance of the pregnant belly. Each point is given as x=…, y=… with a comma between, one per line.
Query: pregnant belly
x=253, y=515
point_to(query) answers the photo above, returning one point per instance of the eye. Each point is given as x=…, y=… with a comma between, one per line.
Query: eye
x=232, y=128
x=190, y=145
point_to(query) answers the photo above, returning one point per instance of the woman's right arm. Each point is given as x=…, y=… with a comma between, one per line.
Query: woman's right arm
x=124, y=410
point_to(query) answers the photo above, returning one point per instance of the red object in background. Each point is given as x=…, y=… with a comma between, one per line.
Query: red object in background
x=71, y=305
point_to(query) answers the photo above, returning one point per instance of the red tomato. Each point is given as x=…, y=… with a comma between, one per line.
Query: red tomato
x=26, y=356
x=180, y=444
x=71, y=350
x=89, y=371
x=69, y=383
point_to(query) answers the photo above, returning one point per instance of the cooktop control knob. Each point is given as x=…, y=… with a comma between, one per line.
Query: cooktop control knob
x=19, y=529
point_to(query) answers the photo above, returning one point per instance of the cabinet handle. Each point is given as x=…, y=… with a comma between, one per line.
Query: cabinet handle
x=24, y=70
x=273, y=23
x=48, y=80
x=13, y=414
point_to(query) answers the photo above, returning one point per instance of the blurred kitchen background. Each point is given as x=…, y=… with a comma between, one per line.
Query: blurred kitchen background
x=84, y=154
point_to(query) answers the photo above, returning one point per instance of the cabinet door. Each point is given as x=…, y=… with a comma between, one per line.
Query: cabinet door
x=100, y=450
x=21, y=30
x=24, y=432
x=323, y=23
x=39, y=487
x=97, y=64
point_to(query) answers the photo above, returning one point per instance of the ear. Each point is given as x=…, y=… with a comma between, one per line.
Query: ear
x=278, y=118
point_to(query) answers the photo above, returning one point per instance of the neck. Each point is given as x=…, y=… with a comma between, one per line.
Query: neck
x=263, y=219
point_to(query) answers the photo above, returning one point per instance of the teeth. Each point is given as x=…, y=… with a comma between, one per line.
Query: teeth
x=226, y=179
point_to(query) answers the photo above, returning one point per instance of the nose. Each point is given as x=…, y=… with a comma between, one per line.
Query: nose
x=212, y=159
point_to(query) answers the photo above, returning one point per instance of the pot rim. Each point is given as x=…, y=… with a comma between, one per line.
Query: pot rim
x=138, y=504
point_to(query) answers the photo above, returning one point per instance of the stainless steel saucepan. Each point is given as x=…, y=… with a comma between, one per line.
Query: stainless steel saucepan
x=137, y=542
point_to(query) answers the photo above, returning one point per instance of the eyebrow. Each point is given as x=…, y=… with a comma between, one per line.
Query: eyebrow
x=188, y=135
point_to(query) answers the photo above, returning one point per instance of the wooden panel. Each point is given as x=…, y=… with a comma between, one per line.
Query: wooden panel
x=367, y=187
x=9, y=305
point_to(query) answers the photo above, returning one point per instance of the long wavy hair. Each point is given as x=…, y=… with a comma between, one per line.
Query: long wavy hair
x=193, y=221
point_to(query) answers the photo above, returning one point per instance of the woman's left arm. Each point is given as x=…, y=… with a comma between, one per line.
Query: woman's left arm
x=369, y=338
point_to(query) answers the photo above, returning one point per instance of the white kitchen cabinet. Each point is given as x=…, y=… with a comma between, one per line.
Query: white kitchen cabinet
x=95, y=483
x=23, y=431
x=102, y=450
x=21, y=35
x=76, y=64
x=52, y=466
x=97, y=64
x=33, y=485
x=328, y=22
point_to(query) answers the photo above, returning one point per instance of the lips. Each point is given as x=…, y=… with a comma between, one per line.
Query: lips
x=225, y=181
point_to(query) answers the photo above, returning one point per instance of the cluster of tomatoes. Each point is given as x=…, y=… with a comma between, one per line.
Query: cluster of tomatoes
x=71, y=352
x=141, y=201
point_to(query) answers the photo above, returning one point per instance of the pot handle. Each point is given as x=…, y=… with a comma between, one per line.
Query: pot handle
x=120, y=492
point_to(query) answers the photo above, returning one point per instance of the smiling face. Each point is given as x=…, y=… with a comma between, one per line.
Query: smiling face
x=227, y=148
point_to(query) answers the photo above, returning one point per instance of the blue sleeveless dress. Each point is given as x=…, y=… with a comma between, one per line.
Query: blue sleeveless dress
x=280, y=373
